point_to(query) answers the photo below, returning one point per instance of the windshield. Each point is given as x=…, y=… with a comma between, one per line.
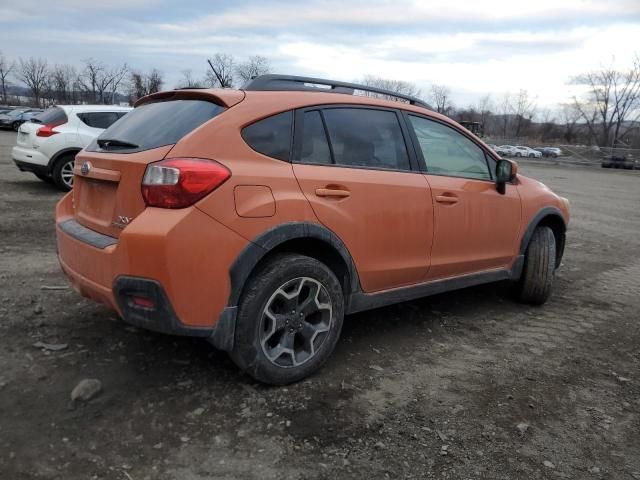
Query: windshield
x=15, y=113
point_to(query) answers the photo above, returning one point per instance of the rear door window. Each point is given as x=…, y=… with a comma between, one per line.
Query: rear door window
x=154, y=125
x=99, y=119
x=366, y=138
x=271, y=136
x=315, y=147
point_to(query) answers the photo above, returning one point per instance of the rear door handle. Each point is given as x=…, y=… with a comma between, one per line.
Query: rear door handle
x=446, y=199
x=331, y=192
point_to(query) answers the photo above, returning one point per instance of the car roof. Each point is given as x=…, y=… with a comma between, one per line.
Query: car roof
x=281, y=101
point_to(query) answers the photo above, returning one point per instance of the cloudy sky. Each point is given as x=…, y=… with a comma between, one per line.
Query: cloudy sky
x=474, y=47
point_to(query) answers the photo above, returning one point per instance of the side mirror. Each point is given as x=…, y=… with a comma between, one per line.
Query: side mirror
x=506, y=171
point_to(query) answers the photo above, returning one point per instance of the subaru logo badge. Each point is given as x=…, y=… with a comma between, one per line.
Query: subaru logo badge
x=86, y=168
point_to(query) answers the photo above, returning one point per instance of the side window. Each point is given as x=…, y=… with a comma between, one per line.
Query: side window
x=271, y=136
x=315, y=148
x=366, y=137
x=448, y=152
x=98, y=119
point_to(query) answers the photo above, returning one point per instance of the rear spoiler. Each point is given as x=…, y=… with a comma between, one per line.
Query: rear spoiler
x=223, y=97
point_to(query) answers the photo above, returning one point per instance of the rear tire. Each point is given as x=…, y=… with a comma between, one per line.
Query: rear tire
x=536, y=282
x=63, y=172
x=15, y=126
x=289, y=319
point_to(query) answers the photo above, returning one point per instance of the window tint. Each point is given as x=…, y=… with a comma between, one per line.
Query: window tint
x=157, y=124
x=365, y=137
x=315, y=148
x=99, y=119
x=271, y=136
x=448, y=152
x=51, y=115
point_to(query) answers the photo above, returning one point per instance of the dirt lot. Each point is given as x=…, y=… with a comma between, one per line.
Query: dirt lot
x=464, y=385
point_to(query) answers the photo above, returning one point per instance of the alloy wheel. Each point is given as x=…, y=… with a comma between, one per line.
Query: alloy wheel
x=66, y=173
x=295, y=322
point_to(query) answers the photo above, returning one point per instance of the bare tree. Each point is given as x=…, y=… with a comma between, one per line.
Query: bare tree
x=504, y=110
x=221, y=73
x=154, y=81
x=34, y=73
x=439, y=97
x=569, y=115
x=62, y=80
x=117, y=74
x=188, y=81
x=94, y=80
x=484, y=107
x=613, y=99
x=547, y=123
x=523, y=108
x=6, y=67
x=145, y=84
x=397, y=86
x=254, y=67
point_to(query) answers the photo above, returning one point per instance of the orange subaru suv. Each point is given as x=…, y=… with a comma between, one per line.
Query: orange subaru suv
x=258, y=218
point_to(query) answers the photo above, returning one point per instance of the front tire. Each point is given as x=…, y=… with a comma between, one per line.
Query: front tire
x=63, y=172
x=289, y=319
x=15, y=126
x=536, y=282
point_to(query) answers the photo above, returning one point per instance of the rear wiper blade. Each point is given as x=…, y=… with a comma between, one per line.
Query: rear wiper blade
x=35, y=120
x=107, y=143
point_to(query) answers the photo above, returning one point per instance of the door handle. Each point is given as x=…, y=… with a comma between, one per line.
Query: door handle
x=331, y=192
x=446, y=199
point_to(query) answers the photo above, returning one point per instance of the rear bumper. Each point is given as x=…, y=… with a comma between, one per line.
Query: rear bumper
x=30, y=160
x=178, y=260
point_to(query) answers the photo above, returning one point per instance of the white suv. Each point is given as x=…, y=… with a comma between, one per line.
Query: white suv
x=47, y=145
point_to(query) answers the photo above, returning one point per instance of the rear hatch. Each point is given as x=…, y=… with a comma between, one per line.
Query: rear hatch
x=107, y=189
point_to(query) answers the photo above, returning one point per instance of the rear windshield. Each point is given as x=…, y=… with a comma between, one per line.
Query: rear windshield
x=51, y=115
x=155, y=125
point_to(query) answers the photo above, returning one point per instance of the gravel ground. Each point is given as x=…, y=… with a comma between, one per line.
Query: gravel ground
x=464, y=385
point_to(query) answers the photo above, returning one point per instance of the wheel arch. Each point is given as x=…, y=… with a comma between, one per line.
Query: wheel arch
x=304, y=238
x=60, y=154
x=550, y=217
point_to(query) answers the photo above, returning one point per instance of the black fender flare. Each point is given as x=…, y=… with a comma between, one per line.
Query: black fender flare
x=271, y=239
x=542, y=214
x=223, y=334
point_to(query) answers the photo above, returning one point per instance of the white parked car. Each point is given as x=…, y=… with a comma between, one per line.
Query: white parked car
x=505, y=150
x=521, y=151
x=47, y=145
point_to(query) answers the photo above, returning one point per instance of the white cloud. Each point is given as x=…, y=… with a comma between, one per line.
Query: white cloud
x=473, y=47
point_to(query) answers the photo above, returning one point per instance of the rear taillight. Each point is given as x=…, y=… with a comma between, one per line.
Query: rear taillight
x=47, y=130
x=180, y=182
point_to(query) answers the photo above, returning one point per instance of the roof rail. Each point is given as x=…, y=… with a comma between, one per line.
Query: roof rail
x=275, y=82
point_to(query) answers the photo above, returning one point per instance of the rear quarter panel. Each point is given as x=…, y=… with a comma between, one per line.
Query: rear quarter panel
x=221, y=140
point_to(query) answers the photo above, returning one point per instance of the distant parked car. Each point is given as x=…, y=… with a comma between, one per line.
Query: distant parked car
x=47, y=145
x=15, y=118
x=551, y=152
x=506, y=150
x=617, y=160
x=522, y=151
